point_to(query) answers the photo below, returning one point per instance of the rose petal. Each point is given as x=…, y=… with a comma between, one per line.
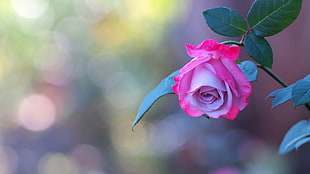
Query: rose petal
x=225, y=108
x=204, y=77
x=204, y=105
x=232, y=114
x=225, y=74
x=230, y=52
x=189, y=109
x=183, y=78
x=218, y=102
x=243, y=86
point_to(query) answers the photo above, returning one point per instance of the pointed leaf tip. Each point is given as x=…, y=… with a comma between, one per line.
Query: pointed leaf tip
x=281, y=96
x=163, y=88
x=296, y=136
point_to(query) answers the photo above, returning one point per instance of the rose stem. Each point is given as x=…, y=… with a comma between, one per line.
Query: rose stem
x=281, y=82
x=273, y=75
x=229, y=42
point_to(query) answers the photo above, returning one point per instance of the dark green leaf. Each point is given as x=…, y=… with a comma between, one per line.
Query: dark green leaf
x=163, y=88
x=249, y=69
x=259, y=49
x=225, y=21
x=301, y=92
x=281, y=95
x=269, y=17
x=296, y=136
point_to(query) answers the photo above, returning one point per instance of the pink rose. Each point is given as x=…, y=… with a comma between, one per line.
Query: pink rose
x=212, y=83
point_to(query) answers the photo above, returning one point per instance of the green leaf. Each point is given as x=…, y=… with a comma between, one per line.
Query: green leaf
x=301, y=92
x=284, y=94
x=225, y=21
x=249, y=69
x=269, y=17
x=296, y=136
x=259, y=49
x=281, y=95
x=163, y=88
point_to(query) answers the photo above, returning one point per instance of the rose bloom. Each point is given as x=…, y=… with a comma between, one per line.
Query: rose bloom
x=212, y=83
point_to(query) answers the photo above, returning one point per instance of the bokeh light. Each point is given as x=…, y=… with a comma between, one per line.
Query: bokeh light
x=36, y=112
x=56, y=65
x=57, y=163
x=88, y=158
x=8, y=160
x=30, y=8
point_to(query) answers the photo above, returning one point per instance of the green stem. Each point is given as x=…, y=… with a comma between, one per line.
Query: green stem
x=281, y=82
x=273, y=75
x=230, y=42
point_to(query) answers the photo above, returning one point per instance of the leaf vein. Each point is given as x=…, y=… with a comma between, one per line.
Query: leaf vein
x=267, y=16
x=223, y=21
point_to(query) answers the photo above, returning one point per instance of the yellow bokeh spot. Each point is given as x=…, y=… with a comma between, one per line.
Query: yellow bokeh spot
x=111, y=31
x=156, y=10
x=140, y=21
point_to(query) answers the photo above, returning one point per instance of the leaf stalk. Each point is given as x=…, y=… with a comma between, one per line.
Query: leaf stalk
x=273, y=75
x=231, y=42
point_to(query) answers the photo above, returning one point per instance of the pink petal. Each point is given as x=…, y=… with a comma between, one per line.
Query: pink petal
x=183, y=82
x=224, y=74
x=229, y=52
x=204, y=77
x=206, y=107
x=202, y=49
x=224, y=109
x=189, y=109
x=232, y=114
x=210, y=46
x=243, y=86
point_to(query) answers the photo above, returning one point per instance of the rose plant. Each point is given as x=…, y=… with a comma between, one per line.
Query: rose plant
x=215, y=83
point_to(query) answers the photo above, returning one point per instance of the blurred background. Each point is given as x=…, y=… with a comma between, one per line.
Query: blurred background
x=73, y=73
